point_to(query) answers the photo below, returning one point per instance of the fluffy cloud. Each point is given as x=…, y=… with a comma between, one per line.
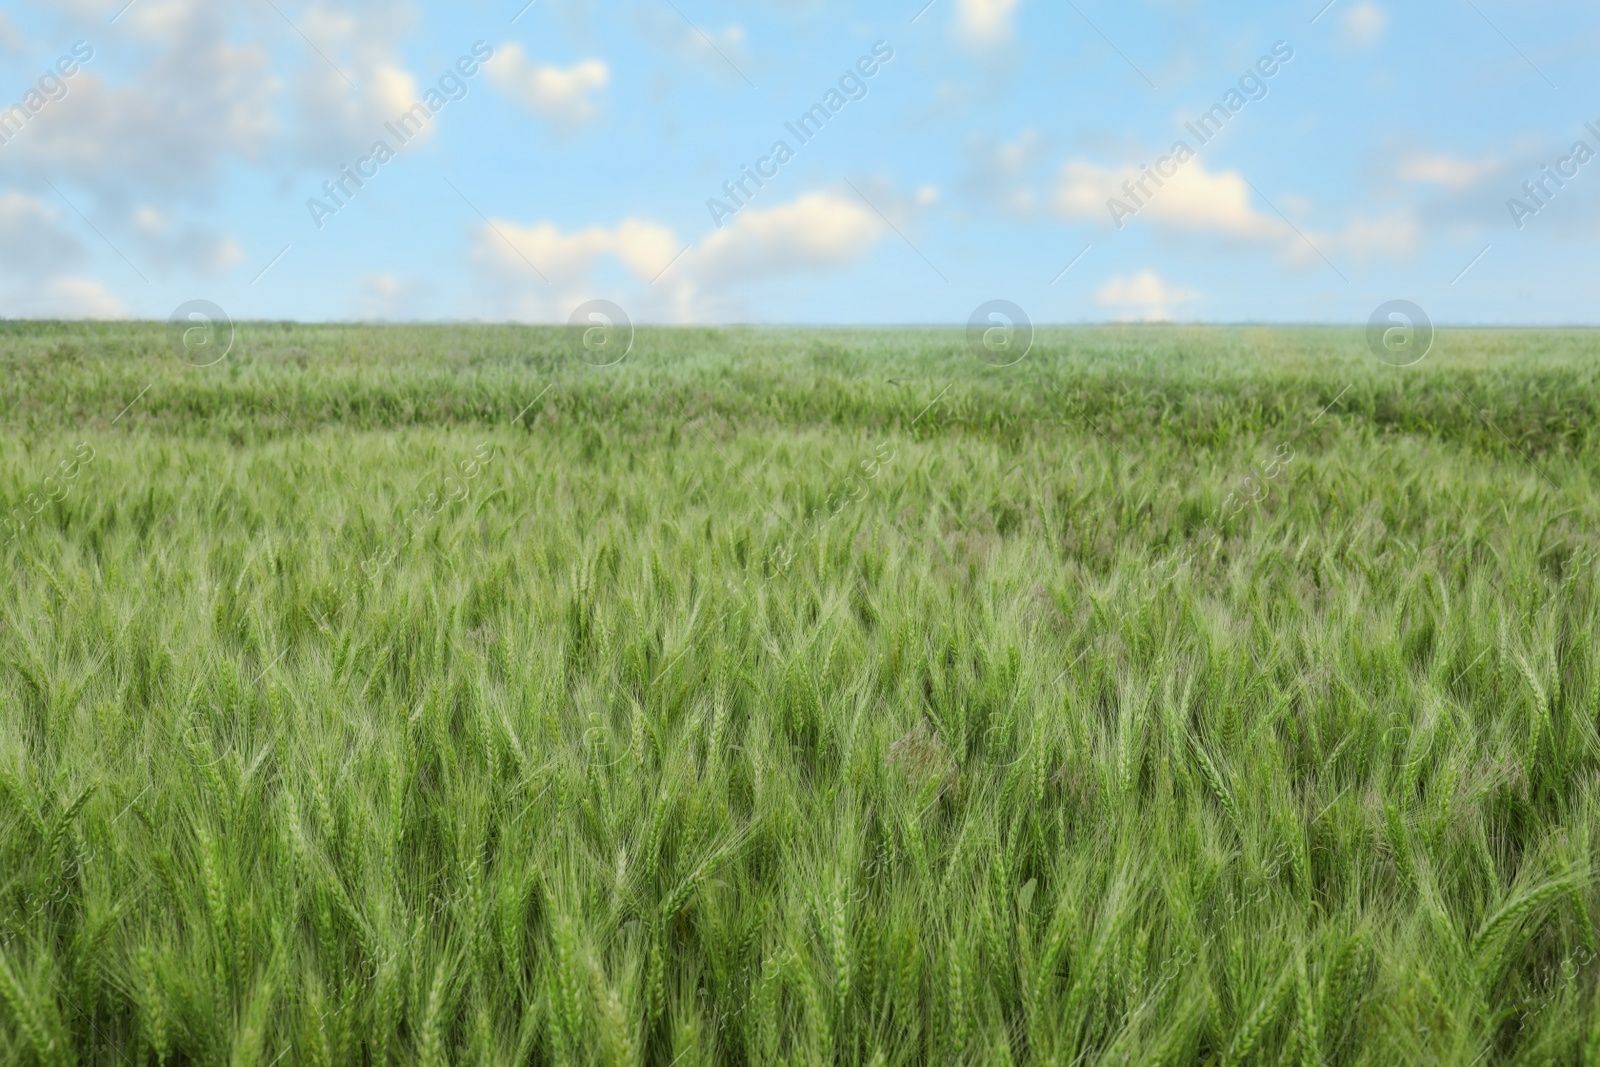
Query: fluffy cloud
x=64, y=297
x=1193, y=200
x=561, y=97
x=566, y=258
x=1145, y=294
x=985, y=23
x=164, y=132
x=83, y=298
x=539, y=272
x=819, y=231
x=360, y=43
x=179, y=91
x=213, y=83
x=1196, y=201
x=815, y=232
x=1446, y=170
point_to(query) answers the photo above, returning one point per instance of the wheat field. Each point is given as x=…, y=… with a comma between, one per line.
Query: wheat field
x=422, y=695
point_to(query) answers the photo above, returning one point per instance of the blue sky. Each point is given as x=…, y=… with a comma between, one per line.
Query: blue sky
x=180, y=159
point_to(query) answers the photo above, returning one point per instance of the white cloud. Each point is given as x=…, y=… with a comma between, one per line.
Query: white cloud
x=205, y=91
x=66, y=297
x=1150, y=298
x=566, y=258
x=815, y=232
x=539, y=272
x=818, y=231
x=1364, y=24
x=361, y=43
x=985, y=23
x=1193, y=200
x=139, y=146
x=1446, y=170
x=1197, y=201
x=85, y=298
x=164, y=131
x=561, y=97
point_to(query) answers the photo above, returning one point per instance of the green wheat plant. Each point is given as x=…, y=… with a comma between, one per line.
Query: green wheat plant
x=1048, y=741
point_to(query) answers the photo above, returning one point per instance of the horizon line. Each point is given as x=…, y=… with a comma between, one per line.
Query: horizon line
x=1102, y=324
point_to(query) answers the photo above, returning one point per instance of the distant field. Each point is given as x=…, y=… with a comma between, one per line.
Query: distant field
x=424, y=695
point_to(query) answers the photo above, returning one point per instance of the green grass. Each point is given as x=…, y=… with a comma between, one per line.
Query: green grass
x=1177, y=695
